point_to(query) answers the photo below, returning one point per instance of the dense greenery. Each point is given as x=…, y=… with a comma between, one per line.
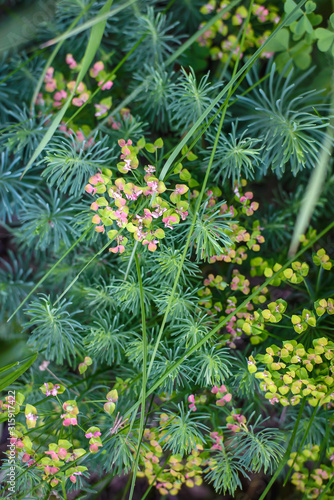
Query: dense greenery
x=166, y=289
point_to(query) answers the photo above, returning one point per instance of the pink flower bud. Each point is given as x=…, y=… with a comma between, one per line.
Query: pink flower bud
x=94, y=206
x=106, y=86
x=94, y=448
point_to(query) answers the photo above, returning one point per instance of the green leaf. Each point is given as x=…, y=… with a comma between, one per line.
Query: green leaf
x=301, y=54
x=289, y=7
x=11, y=377
x=302, y=26
x=325, y=39
x=310, y=7
x=185, y=175
x=150, y=147
x=280, y=42
x=191, y=156
x=332, y=20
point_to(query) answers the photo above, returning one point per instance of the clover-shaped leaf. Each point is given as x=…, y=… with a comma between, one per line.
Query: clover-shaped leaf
x=325, y=39
x=289, y=6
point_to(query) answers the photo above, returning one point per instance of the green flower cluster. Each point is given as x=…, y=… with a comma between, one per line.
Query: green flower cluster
x=176, y=471
x=313, y=483
x=222, y=38
x=292, y=372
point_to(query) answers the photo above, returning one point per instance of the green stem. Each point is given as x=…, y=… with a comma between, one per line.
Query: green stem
x=301, y=444
x=199, y=200
x=224, y=321
x=130, y=260
x=64, y=490
x=172, y=58
x=110, y=76
x=49, y=272
x=144, y=380
x=318, y=281
x=308, y=288
x=287, y=452
x=328, y=485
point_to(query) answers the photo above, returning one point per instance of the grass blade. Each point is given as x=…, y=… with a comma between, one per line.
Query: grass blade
x=100, y=18
x=9, y=379
x=143, y=390
x=205, y=113
x=314, y=187
x=50, y=271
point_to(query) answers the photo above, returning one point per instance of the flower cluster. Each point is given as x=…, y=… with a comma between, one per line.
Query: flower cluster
x=60, y=453
x=58, y=89
x=11, y=405
x=195, y=400
x=51, y=461
x=222, y=395
x=252, y=239
x=238, y=282
x=222, y=37
x=127, y=198
x=322, y=259
x=235, y=422
x=177, y=471
x=292, y=372
x=312, y=483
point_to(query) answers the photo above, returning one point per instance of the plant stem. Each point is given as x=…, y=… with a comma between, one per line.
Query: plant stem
x=301, y=443
x=225, y=320
x=49, y=272
x=199, y=200
x=64, y=490
x=287, y=452
x=55, y=376
x=144, y=380
x=318, y=281
x=328, y=485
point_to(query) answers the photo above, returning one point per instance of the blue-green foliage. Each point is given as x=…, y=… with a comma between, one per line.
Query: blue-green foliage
x=13, y=190
x=190, y=98
x=237, y=156
x=71, y=163
x=54, y=329
x=46, y=222
x=290, y=123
